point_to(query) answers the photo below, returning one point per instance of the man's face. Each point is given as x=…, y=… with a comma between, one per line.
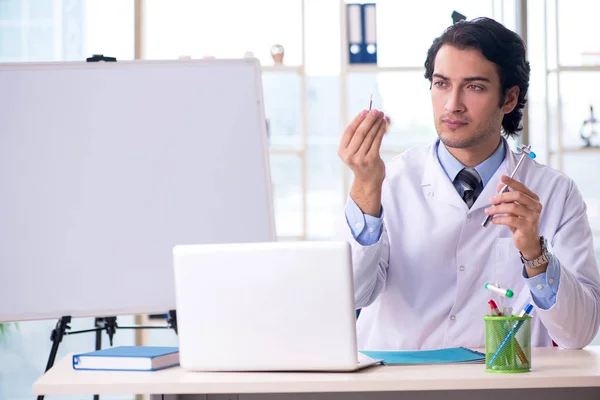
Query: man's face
x=465, y=94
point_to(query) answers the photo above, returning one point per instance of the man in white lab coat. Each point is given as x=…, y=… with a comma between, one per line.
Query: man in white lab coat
x=421, y=256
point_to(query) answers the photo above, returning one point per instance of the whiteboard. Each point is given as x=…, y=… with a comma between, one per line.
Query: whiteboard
x=104, y=167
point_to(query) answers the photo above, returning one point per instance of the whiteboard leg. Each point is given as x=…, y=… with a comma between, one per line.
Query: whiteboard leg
x=56, y=336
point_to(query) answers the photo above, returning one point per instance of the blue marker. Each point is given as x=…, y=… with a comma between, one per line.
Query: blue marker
x=526, y=311
x=526, y=150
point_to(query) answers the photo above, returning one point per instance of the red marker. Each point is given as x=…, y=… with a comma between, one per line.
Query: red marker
x=495, y=311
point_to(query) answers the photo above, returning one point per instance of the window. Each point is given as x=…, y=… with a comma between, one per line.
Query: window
x=65, y=30
x=223, y=29
x=405, y=30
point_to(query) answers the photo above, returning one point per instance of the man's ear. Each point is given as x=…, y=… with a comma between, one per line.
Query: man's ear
x=511, y=98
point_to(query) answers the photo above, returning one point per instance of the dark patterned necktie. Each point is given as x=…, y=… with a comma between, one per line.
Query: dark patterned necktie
x=471, y=182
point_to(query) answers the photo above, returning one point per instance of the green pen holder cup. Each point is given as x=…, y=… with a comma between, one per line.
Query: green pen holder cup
x=507, y=344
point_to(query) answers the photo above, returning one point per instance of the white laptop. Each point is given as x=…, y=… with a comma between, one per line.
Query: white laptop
x=277, y=306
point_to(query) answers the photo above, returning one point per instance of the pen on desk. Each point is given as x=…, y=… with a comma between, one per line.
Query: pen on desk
x=370, y=101
x=526, y=152
x=511, y=334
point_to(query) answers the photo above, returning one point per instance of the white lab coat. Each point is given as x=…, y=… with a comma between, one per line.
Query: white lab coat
x=422, y=284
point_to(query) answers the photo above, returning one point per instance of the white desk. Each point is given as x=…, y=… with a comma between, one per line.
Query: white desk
x=576, y=370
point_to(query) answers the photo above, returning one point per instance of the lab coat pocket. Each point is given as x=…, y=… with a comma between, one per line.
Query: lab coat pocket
x=506, y=264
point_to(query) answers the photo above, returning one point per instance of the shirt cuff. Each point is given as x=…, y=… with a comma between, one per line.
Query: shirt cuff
x=544, y=287
x=366, y=229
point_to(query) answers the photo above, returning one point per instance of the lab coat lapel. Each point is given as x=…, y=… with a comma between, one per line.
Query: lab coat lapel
x=435, y=182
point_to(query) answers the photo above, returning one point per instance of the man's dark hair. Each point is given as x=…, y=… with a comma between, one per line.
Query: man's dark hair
x=501, y=46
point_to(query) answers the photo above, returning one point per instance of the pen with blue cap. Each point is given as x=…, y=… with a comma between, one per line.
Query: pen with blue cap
x=526, y=311
x=526, y=150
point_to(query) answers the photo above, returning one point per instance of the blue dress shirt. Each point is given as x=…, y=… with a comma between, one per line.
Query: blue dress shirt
x=366, y=229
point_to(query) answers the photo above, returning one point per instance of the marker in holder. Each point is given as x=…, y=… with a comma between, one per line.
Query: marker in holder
x=499, y=291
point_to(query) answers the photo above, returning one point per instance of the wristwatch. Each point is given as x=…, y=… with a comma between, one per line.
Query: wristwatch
x=541, y=260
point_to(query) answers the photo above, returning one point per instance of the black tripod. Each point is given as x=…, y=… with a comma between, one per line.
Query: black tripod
x=108, y=324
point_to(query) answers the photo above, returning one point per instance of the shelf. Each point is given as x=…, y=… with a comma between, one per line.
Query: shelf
x=299, y=69
x=576, y=150
x=575, y=68
x=377, y=68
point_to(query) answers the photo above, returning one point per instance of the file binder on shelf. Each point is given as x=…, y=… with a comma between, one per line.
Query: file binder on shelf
x=370, y=33
x=362, y=33
x=355, y=37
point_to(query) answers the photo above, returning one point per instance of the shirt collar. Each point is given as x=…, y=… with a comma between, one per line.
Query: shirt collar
x=485, y=170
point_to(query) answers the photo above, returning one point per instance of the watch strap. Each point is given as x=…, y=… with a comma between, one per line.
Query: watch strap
x=541, y=260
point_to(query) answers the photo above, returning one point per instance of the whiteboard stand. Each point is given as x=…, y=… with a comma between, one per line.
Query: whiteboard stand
x=79, y=204
x=108, y=324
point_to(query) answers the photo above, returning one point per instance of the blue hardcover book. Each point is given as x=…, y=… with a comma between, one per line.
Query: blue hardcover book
x=128, y=358
x=441, y=356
